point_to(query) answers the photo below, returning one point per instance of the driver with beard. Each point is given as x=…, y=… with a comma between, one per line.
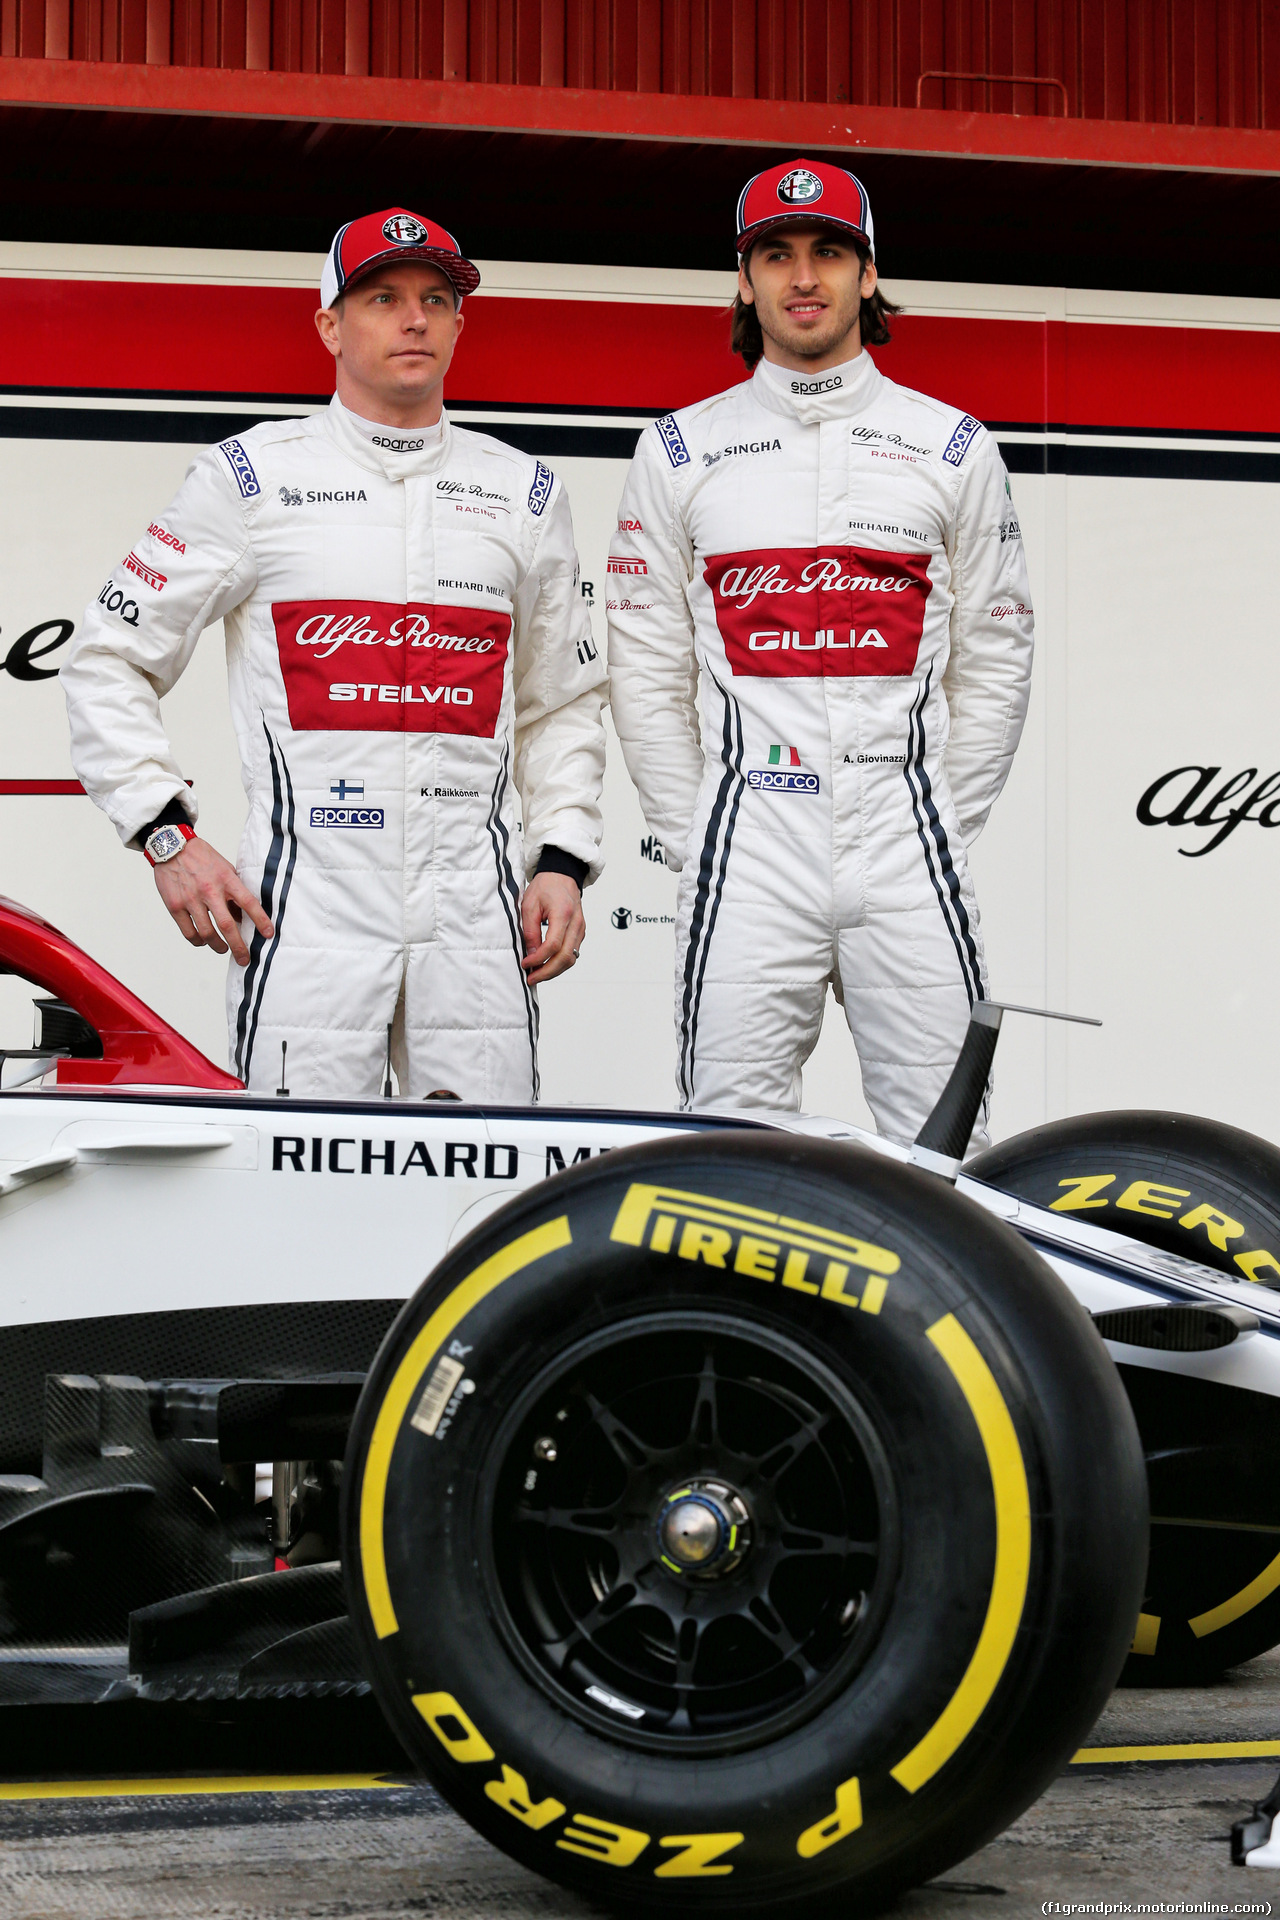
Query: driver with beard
x=820, y=642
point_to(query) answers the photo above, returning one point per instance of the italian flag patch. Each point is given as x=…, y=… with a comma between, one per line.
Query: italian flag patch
x=783, y=757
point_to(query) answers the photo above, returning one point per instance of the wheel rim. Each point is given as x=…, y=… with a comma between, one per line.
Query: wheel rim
x=690, y=1532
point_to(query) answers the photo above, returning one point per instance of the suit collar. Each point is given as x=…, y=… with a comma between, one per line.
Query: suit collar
x=813, y=398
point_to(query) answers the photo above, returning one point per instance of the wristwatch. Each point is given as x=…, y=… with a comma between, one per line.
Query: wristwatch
x=165, y=842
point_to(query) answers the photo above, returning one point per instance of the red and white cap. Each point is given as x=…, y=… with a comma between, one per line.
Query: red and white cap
x=805, y=190
x=392, y=235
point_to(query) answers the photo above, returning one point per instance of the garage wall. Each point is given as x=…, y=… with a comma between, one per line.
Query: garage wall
x=1143, y=433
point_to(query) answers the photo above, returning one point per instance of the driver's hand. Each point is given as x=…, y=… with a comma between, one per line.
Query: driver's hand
x=206, y=897
x=553, y=926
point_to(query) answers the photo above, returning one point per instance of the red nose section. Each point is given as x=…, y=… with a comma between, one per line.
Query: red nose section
x=138, y=1047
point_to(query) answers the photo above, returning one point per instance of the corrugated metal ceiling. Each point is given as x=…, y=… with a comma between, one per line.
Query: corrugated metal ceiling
x=1189, y=62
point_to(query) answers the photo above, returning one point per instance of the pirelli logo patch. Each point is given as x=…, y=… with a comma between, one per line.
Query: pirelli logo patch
x=765, y=1246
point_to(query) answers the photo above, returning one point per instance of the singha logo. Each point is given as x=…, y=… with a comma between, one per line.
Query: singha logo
x=290, y=497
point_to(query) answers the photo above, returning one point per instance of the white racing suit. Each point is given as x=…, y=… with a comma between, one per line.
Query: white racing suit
x=820, y=643
x=411, y=675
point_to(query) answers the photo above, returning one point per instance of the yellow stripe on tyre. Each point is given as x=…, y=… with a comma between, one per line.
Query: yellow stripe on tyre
x=1259, y=1589
x=491, y=1273
x=1012, y=1563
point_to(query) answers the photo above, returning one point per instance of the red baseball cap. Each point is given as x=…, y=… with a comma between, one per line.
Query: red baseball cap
x=805, y=190
x=394, y=234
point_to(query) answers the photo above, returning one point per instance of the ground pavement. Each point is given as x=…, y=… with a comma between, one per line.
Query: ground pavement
x=1143, y=1817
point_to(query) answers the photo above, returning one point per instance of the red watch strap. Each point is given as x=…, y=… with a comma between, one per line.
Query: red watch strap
x=188, y=833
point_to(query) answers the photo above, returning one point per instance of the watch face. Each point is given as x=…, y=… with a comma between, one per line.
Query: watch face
x=165, y=842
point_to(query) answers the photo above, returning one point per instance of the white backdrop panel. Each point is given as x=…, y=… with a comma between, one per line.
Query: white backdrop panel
x=1157, y=648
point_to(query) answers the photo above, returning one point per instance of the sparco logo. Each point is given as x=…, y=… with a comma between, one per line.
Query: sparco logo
x=540, y=491
x=669, y=434
x=782, y=780
x=241, y=467
x=347, y=816
x=1183, y=799
x=958, y=445
x=829, y=385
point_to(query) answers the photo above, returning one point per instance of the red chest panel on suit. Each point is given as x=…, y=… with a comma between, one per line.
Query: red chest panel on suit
x=802, y=612
x=369, y=666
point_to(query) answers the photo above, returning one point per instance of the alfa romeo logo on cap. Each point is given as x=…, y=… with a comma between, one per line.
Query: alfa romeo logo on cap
x=405, y=231
x=799, y=186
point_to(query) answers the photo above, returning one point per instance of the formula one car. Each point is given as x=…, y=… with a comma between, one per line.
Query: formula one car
x=740, y=1502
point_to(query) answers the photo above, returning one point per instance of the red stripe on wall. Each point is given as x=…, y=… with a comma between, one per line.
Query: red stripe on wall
x=40, y=786
x=994, y=369
x=589, y=353
x=142, y=337
x=127, y=337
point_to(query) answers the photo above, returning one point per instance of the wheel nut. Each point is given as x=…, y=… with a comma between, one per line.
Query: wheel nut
x=544, y=1449
x=691, y=1532
x=704, y=1530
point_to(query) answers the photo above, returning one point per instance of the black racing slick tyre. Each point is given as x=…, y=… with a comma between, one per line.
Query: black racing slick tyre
x=739, y=1522
x=1194, y=1187
x=1211, y=1193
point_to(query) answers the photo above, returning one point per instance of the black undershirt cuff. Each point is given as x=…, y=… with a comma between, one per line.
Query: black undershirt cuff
x=556, y=860
x=172, y=814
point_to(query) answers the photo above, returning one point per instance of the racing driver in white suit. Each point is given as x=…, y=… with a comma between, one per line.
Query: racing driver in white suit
x=412, y=676
x=820, y=644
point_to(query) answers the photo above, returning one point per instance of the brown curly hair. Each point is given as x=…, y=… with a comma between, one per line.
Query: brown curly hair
x=746, y=338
